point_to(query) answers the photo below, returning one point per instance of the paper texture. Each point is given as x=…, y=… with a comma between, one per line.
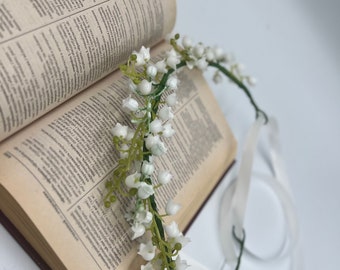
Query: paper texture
x=52, y=50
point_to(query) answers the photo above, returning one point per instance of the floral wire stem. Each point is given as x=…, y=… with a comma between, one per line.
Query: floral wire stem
x=135, y=174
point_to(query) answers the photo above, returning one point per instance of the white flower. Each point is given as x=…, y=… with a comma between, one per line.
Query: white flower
x=168, y=131
x=172, y=59
x=130, y=134
x=251, y=81
x=172, y=208
x=181, y=265
x=156, y=126
x=151, y=71
x=130, y=104
x=145, y=87
x=182, y=240
x=165, y=113
x=217, y=77
x=210, y=54
x=119, y=131
x=147, y=251
x=123, y=151
x=171, y=100
x=138, y=230
x=143, y=216
x=198, y=50
x=158, y=149
x=172, y=230
x=202, y=64
x=147, y=168
x=143, y=56
x=132, y=181
x=151, y=140
x=186, y=42
x=219, y=54
x=161, y=66
x=172, y=83
x=148, y=266
x=164, y=177
x=145, y=190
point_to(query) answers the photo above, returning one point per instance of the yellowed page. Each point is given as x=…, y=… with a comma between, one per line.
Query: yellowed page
x=51, y=50
x=56, y=169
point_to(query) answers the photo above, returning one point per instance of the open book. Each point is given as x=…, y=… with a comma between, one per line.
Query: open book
x=60, y=95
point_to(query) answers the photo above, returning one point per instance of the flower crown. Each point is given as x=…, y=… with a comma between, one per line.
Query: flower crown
x=139, y=147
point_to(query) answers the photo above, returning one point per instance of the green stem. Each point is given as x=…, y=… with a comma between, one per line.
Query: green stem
x=241, y=242
x=232, y=77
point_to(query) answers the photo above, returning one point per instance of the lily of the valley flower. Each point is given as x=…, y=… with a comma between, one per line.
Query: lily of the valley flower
x=172, y=230
x=171, y=100
x=168, y=131
x=145, y=190
x=181, y=264
x=164, y=177
x=147, y=251
x=130, y=104
x=172, y=208
x=156, y=126
x=138, y=230
x=132, y=181
x=158, y=149
x=119, y=131
x=165, y=113
x=144, y=87
x=147, y=168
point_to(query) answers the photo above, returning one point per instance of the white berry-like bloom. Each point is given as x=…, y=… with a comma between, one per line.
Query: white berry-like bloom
x=147, y=168
x=171, y=100
x=165, y=113
x=172, y=83
x=172, y=229
x=145, y=190
x=123, y=151
x=147, y=251
x=130, y=104
x=137, y=230
x=251, y=81
x=164, y=177
x=217, y=78
x=151, y=71
x=172, y=58
x=143, y=56
x=219, y=54
x=143, y=216
x=210, y=54
x=156, y=126
x=119, y=131
x=186, y=42
x=168, y=131
x=181, y=264
x=158, y=149
x=172, y=208
x=151, y=140
x=145, y=87
x=202, y=64
x=161, y=66
x=132, y=181
x=198, y=50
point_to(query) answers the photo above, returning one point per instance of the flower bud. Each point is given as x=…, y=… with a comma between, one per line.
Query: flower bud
x=164, y=177
x=145, y=87
x=202, y=64
x=171, y=100
x=151, y=71
x=156, y=126
x=158, y=149
x=165, y=113
x=145, y=190
x=132, y=181
x=172, y=229
x=172, y=208
x=147, y=168
x=151, y=140
x=168, y=131
x=130, y=104
x=119, y=131
x=147, y=251
x=138, y=230
x=186, y=42
x=172, y=83
x=198, y=50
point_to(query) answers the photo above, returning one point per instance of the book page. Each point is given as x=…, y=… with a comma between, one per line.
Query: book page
x=57, y=167
x=51, y=50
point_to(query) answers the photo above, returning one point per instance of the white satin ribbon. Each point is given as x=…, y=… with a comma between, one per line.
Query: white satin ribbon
x=235, y=198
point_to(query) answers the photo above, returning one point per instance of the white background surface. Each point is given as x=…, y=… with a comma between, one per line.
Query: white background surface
x=293, y=49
